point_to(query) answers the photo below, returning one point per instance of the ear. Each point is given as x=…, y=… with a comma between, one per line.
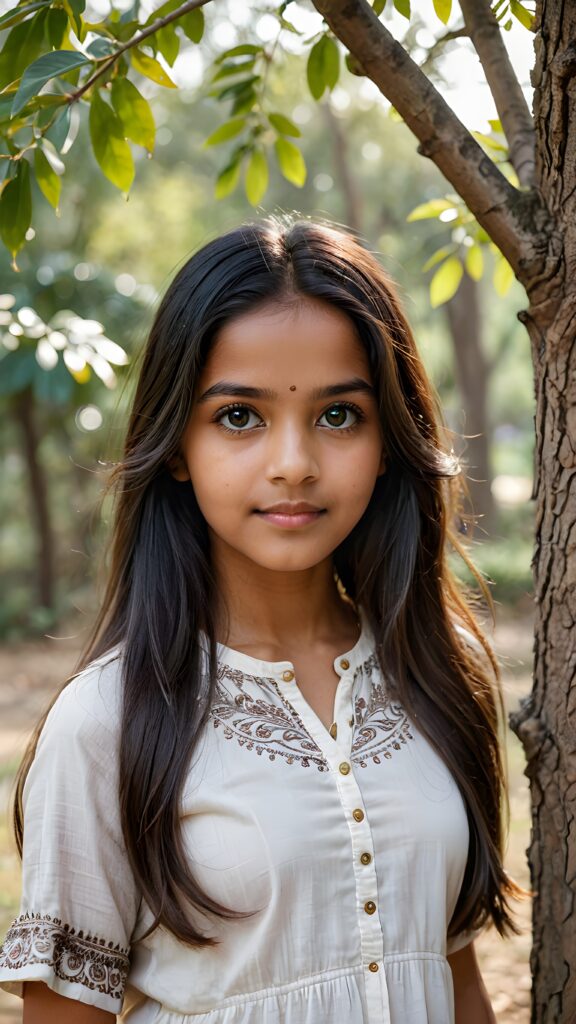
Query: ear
x=178, y=468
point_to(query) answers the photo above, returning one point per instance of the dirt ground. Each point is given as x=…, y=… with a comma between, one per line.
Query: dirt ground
x=30, y=673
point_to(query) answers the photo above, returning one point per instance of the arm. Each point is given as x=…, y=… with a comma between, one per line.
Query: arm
x=43, y=1006
x=471, y=1001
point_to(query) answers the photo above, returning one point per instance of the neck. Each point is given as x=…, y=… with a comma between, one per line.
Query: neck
x=283, y=608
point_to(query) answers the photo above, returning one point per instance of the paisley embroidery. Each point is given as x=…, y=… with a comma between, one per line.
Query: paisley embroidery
x=264, y=724
x=72, y=956
x=381, y=725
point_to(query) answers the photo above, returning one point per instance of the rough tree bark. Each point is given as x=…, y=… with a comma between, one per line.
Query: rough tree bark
x=535, y=228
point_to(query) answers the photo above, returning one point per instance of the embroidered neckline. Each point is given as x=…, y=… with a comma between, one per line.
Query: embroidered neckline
x=254, y=711
x=266, y=724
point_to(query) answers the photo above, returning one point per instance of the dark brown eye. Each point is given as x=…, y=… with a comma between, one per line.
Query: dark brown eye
x=337, y=416
x=238, y=417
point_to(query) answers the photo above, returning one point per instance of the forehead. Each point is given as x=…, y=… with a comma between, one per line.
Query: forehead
x=302, y=340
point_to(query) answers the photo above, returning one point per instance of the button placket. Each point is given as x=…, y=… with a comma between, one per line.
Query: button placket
x=337, y=752
x=368, y=916
x=343, y=711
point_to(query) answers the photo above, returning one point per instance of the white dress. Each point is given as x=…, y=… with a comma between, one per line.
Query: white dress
x=351, y=849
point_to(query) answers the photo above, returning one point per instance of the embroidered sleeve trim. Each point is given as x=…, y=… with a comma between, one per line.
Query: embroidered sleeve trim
x=73, y=956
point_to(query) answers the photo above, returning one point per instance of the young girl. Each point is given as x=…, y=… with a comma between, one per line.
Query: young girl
x=274, y=791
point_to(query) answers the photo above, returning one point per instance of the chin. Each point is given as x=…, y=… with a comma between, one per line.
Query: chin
x=288, y=562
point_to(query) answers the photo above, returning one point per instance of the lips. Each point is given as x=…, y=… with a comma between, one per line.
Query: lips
x=291, y=515
x=290, y=508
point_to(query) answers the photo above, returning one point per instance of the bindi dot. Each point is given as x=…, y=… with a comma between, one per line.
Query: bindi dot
x=292, y=387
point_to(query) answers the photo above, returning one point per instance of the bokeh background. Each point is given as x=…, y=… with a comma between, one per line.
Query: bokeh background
x=107, y=260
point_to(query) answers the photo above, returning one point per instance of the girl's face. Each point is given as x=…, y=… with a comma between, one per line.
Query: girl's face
x=284, y=445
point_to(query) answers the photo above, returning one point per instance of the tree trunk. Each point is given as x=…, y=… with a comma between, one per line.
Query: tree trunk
x=472, y=375
x=24, y=413
x=546, y=720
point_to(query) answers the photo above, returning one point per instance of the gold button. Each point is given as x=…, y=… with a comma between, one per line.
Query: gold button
x=358, y=815
x=333, y=730
x=370, y=907
x=344, y=768
x=365, y=858
x=288, y=676
x=344, y=663
x=373, y=967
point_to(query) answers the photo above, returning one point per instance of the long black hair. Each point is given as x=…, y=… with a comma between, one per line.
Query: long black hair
x=161, y=590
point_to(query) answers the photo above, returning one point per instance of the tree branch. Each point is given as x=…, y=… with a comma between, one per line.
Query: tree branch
x=509, y=216
x=516, y=119
x=437, y=47
x=191, y=5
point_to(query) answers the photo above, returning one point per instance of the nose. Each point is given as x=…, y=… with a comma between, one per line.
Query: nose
x=291, y=455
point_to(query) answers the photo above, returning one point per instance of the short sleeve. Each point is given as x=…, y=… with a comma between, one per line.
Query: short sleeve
x=79, y=903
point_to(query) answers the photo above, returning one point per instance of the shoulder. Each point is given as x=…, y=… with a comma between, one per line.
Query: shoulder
x=88, y=709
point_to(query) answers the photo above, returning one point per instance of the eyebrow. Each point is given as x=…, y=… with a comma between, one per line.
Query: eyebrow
x=226, y=388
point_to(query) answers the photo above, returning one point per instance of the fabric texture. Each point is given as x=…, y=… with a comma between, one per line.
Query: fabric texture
x=350, y=851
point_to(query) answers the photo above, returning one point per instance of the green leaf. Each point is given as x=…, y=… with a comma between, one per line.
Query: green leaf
x=42, y=70
x=48, y=181
x=403, y=7
x=168, y=42
x=238, y=51
x=496, y=125
x=323, y=67
x=437, y=257
x=244, y=102
x=291, y=161
x=58, y=132
x=315, y=69
x=503, y=276
x=57, y=26
x=24, y=43
x=331, y=57
x=443, y=10
x=74, y=18
x=256, y=181
x=16, y=209
x=160, y=12
x=284, y=126
x=110, y=147
x=101, y=47
x=234, y=68
x=226, y=131
x=228, y=179
x=378, y=6
x=433, y=208
x=134, y=113
x=521, y=14
x=491, y=143
x=445, y=281
x=150, y=68
x=236, y=88
x=192, y=24
x=6, y=170
x=15, y=16
x=474, y=262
